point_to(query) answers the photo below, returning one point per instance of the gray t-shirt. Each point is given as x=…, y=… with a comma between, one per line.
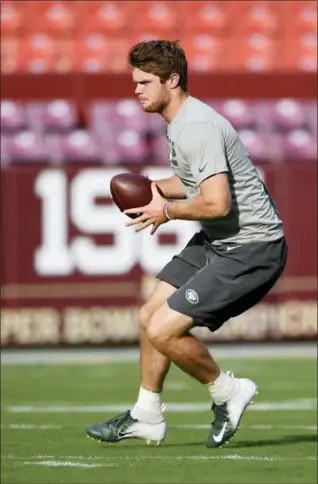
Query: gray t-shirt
x=202, y=143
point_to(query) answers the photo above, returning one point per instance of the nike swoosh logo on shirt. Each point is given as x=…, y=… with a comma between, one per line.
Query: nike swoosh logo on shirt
x=219, y=437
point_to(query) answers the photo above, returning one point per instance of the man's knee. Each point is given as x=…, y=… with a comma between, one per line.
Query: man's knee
x=160, y=330
x=145, y=314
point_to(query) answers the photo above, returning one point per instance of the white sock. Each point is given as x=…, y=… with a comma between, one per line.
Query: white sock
x=148, y=407
x=223, y=388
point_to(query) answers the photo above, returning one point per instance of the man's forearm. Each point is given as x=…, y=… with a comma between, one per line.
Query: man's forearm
x=196, y=209
x=172, y=188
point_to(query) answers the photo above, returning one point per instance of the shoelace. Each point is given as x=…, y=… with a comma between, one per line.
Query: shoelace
x=119, y=418
x=220, y=411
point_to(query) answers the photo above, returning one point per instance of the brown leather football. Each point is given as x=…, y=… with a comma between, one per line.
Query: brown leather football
x=130, y=190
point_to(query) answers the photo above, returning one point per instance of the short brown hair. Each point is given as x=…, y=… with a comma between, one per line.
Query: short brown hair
x=162, y=58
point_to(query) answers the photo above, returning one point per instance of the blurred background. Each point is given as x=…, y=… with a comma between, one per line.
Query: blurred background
x=71, y=272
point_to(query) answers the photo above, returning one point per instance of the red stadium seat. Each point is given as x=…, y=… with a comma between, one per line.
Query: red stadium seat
x=56, y=18
x=56, y=35
x=301, y=16
x=158, y=16
x=259, y=16
x=300, y=52
x=255, y=53
x=13, y=15
x=105, y=17
x=136, y=37
x=204, y=51
x=95, y=53
x=214, y=17
x=9, y=52
x=85, y=53
x=37, y=53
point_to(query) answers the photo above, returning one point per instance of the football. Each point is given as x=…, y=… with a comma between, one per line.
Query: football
x=130, y=190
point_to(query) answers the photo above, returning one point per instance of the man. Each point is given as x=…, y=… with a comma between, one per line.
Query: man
x=224, y=270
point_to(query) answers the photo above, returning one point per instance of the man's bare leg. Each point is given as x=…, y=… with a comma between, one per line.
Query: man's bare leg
x=145, y=420
x=169, y=330
x=154, y=366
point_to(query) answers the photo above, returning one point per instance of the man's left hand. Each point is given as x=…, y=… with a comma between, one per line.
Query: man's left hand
x=151, y=214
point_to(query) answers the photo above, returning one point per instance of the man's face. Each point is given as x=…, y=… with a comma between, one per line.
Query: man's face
x=153, y=96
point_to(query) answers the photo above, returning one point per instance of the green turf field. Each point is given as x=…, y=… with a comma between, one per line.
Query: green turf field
x=45, y=409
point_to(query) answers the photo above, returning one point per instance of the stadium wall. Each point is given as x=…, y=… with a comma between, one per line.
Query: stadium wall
x=83, y=87
x=72, y=274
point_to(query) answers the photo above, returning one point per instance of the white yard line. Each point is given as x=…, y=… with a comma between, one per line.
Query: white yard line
x=54, y=459
x=30, y=427
x=181, y=426
x=252, y=427
x=292, y=405
x=60, y=463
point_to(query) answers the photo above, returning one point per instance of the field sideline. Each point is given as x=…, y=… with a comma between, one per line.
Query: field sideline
x=46, y=407
x=238, y=350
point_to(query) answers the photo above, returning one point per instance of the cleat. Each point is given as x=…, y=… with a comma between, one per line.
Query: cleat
x=124, y=426
x=228, y=415
x=158, y=442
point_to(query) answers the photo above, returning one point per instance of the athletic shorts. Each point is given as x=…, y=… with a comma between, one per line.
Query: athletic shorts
x=215, y=284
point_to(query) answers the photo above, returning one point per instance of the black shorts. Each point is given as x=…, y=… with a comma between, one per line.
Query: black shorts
x=216, y=284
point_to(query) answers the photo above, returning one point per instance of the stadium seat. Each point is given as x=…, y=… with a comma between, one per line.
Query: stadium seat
x=207, y=16
x=118, y=115
x=89, y=53
x=124, y=146
x=285, y=114
x=300, y=145
x=300, y=51
x=136, y=37
x=204, y=51
x=106, y=17
x=239, y=112
x=26, y=146
x=255, y=144
x=13, y=17
x=300, y=16
x=58, y=115
x=161, y=16
x=248, y=35
x=96, y=53
x=9, y=54
x=56, y=18
x=121, y=128
x=255, y=52
x=37, y=53
x=119, y=131
x=12, y=116
x=258, y=16
x=78, y=145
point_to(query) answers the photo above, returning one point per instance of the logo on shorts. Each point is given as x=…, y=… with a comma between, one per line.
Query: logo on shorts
x=192, y=296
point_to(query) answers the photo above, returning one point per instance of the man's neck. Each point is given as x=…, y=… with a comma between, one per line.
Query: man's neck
x=171, y=111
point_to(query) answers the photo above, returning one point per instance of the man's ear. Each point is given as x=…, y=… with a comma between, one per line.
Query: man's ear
x=174, y=80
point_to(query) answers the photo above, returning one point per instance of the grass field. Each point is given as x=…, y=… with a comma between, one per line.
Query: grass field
x=45, y=409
